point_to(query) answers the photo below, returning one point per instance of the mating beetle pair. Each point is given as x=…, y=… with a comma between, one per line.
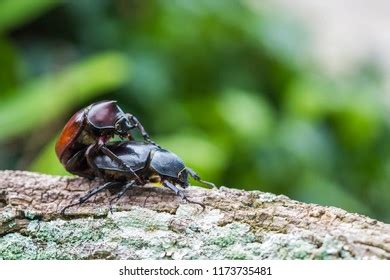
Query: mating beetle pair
x=90, y=129
x=84, y=148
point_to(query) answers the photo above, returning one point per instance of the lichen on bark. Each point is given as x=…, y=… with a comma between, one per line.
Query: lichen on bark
x=152, y=223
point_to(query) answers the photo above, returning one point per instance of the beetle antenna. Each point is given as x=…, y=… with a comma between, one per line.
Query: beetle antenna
x=209, y=184
x=197, y=178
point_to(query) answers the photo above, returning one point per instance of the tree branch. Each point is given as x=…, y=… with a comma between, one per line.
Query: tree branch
x=153, y=223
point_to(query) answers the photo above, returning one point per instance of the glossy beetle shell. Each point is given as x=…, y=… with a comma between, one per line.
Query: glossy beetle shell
x=103, y=115
x=135, y=154
x=86, y=126
x=69, y=134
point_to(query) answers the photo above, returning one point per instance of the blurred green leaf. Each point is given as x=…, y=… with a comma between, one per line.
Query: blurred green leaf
x=46, y=98
x=9, y=63
x=315, y=188
x=311, y=99
x=47, y=161
x=361, y=112
x=305, y=142
x=16, y=12
x=197, y=151
x=294, y=147
x=248, y=115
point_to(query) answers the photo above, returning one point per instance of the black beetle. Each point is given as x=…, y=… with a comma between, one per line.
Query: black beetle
x=151, y=164
x=89, y=130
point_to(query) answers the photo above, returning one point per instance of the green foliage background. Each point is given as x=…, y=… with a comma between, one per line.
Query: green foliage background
x=227, y=88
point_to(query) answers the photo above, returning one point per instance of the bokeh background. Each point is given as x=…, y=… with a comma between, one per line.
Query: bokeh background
x=246, y=92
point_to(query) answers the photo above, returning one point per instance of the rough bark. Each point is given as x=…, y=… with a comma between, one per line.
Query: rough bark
x=153, y=223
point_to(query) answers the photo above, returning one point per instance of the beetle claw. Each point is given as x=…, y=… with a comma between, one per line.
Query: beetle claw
x=110, y=209
x=67, y=207
x=197, y=203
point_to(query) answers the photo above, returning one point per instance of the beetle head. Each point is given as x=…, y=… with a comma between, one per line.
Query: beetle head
x=123, y=126
x=107, y=115
x=183, y=177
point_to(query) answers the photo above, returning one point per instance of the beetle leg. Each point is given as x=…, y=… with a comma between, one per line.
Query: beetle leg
x=197, y=178
x=89, y=194
x=137, y=124
x=142, y=130
x=89, y=153
x=181, y=194
x=171, y=186
x=121, y=193
x=73, y=166
x=115, y=158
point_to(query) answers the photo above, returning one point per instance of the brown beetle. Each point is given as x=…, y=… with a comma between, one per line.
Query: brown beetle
x=89, y=130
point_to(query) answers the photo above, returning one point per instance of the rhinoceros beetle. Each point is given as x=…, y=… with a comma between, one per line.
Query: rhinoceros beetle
x=89, y=130
x=150, y=163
